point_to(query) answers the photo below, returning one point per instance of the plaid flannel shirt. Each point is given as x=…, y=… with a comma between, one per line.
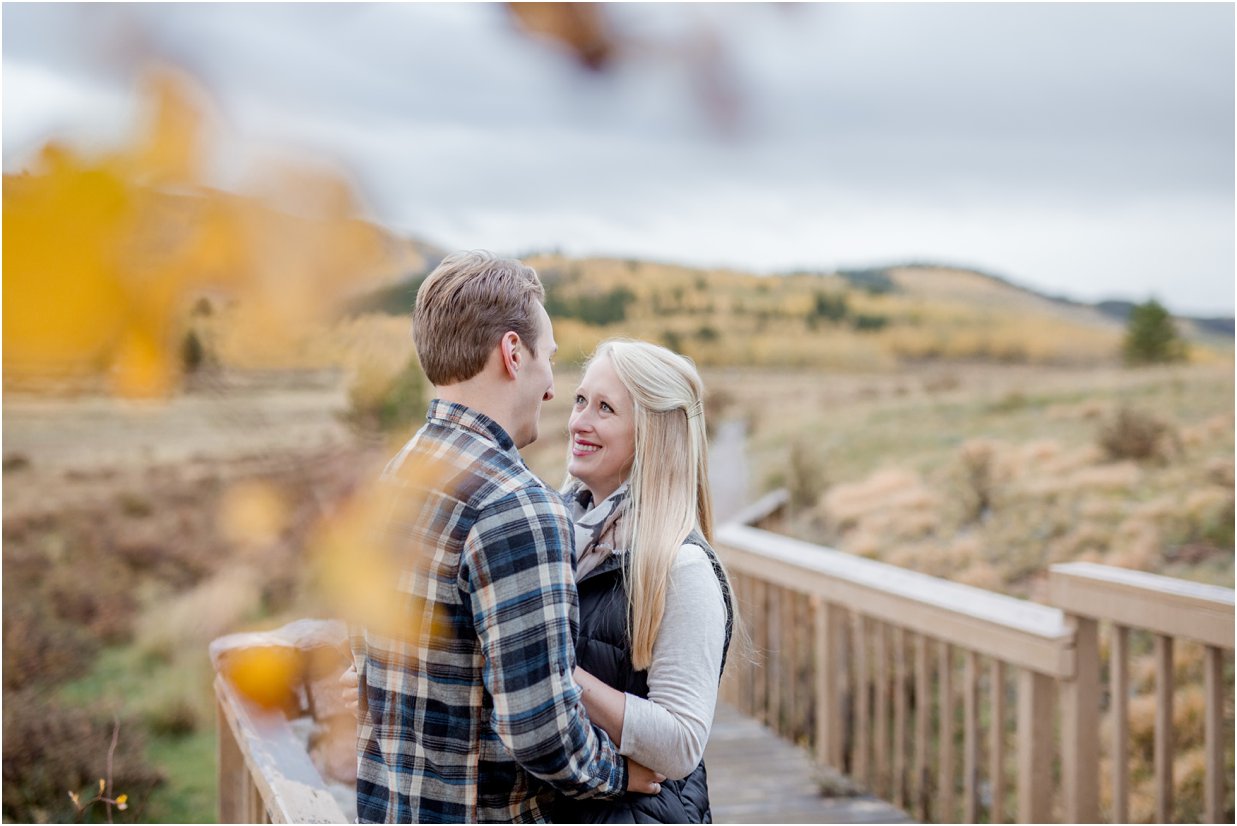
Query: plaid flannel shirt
x=472, y=714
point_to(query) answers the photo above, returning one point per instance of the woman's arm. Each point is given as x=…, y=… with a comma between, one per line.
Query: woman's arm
x=667, y=732
x=605, y=705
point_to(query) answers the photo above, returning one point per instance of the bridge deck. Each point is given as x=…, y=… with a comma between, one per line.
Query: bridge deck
x=756, y=777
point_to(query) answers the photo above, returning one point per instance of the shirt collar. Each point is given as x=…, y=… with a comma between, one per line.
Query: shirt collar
x=451, y=414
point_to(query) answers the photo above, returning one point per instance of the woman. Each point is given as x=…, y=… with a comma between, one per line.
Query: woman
x=656, y=611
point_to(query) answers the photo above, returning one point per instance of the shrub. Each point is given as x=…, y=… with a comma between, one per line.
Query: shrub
x=15, y=461
x=50, y=750
x=39, y=647
x=193, y=355
x=385, y=403
x=1151, y=337
x=978, y=478
x=1132, y=434
x=172, y=716
x=806, y=478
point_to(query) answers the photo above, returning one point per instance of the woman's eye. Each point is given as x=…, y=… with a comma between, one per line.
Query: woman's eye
x=606, y=408
x=579, y=400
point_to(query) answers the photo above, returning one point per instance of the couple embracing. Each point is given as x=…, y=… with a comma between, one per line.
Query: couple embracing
x=556, y=654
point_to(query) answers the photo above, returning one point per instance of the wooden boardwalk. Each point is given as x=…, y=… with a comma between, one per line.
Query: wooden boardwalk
x=756, y=777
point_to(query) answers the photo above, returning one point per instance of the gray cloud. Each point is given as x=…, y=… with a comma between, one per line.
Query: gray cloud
x=1086, y=148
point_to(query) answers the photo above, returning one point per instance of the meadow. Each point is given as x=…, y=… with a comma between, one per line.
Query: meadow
x=132, y=537
x=935, y=419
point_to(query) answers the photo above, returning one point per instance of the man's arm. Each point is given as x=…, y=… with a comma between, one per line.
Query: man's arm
x=519, y=580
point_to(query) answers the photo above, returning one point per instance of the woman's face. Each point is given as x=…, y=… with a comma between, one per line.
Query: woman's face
x=603, y=430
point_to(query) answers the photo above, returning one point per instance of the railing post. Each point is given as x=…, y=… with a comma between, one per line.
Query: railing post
x=997, y=755
x=1213, y=678
x=947, y=808
x=233, y=777
x=1080, y=734
x=1163, y=728
x=862, y=756
x=1034, y=747
x=828, y=620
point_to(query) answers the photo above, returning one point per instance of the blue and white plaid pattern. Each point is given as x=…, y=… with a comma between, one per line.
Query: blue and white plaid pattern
x=472, y=715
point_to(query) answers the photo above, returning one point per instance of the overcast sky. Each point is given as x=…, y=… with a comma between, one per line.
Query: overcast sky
x=1085, y=150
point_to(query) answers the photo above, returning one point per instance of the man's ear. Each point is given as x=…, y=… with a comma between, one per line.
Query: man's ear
x=512, y=353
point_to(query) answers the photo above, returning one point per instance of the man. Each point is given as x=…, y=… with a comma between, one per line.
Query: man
x=471, y=712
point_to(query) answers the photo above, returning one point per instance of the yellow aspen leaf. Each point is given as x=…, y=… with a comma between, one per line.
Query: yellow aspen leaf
x=102, y=785
x=269, y=677
x=122, y=802
x=253, y=513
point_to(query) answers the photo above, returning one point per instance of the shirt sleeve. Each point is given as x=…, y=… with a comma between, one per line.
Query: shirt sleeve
x=524, y=604
x=667, y=732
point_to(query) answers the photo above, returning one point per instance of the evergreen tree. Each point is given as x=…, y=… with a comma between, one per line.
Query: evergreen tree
x=1151, y=337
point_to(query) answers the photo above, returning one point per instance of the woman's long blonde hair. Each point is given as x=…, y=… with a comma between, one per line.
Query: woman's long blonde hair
x=669, y=481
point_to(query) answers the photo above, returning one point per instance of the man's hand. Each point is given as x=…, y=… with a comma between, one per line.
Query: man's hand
x=348, y=689
x=642, y=779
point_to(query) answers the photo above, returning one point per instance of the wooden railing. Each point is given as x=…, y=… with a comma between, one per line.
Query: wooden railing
x=265, y=771
x=1170, y=609
x=942, y=698
x=906, y=682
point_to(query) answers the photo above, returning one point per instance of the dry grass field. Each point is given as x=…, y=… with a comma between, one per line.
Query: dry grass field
x=136, y=532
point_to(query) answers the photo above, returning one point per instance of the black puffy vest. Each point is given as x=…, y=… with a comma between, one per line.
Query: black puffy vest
x=604, y=650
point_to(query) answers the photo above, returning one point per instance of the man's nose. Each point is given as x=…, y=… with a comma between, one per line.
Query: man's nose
x=549, y=394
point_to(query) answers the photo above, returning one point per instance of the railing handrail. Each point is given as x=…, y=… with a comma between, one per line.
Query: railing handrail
x=1019, y=632
x=1163, y=605
x=290, y=786
x=265, y=771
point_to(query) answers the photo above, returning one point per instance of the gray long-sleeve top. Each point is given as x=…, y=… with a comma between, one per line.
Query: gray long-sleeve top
x=667, y=732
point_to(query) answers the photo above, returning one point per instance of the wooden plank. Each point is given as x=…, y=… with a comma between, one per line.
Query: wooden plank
x=1119, y=690
x=996, y=770
x=880, y=697
x=1164, y=605
x=792, y=683
x=773, y=672
x=232, y=774
x=829, y=621
x=290, y=789
x=1080, y=732
x=1034, y=747
x=899, y=717
x=1213, y=681
x=862, y=717
x=923, y=713
x=1020, y=632
x=756, y=777
x=947, y=812
x=760, y=684
x=1163, y=728
x=970, y=753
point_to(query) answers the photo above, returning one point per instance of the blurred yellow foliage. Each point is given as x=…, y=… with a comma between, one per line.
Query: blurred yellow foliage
x=103, y=255
x=266, y=676
x=253, y=513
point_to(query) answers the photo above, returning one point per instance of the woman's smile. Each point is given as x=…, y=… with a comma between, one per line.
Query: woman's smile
x=602, y=427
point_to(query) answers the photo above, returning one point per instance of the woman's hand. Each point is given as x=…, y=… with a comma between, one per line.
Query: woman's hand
x=348, y=682
x=643, y=780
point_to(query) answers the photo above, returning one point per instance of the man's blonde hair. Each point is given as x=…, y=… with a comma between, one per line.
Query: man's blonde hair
x=465, y=306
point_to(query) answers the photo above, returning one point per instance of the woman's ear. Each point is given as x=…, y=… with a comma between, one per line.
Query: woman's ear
x=512, y=352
